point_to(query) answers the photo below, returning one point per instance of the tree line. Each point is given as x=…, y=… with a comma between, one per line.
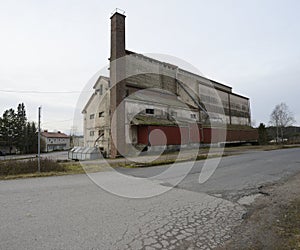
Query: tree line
x=17, y=132
x=281, y=121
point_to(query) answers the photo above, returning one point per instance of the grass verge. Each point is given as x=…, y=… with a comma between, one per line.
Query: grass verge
x=13, y=169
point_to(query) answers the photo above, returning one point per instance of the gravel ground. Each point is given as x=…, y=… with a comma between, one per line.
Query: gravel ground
x=273, y=219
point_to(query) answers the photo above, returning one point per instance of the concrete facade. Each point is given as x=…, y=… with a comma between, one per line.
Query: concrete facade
x=96, y=116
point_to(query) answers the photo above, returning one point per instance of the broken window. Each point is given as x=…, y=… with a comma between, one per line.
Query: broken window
x=100, y=132
x=101, y=114
x=193, y=116
x=173, y=113
x=150, y=111
x=92, y=116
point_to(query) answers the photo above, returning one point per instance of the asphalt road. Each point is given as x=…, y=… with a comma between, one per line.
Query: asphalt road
x=235, y=175
x=71, y=212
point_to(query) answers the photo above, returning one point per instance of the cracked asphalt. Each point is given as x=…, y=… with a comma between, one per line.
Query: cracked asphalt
x=71, y=212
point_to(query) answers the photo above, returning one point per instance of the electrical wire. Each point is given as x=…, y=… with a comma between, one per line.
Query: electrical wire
x=57, y=121
x=42, y=92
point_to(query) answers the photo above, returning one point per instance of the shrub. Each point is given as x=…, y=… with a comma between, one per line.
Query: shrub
x=15, y=167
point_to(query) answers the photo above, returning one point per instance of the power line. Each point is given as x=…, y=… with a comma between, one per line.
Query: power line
x=43, y=123
x=42, y=92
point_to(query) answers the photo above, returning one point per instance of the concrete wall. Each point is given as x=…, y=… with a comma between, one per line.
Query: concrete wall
x=218, y=99
x=77, y=141
x=240, y=110
x=97, y=117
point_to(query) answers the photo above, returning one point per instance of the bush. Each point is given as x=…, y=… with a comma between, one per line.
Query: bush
x=14, y=167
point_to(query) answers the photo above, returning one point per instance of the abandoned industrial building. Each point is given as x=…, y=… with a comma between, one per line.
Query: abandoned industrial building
x=143, y=95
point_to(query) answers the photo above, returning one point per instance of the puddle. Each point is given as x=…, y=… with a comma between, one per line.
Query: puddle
x=218, y=195
x=247, y=200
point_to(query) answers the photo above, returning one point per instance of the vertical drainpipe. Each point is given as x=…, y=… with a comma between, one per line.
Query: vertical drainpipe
x=229, y=107
x=229, y=111
x=148, y=132
x=249, y=111
x=176, y=76
x=189, y=135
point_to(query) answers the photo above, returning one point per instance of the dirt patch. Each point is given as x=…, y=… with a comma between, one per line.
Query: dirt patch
x=273, y=219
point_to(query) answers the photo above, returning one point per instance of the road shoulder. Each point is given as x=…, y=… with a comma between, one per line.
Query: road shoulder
x=272, y=220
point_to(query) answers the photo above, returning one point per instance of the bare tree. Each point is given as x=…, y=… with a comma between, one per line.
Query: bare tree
x=281, y=117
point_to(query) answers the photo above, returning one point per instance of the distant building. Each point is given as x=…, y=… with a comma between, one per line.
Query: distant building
x=76, y=141
x=55, y=141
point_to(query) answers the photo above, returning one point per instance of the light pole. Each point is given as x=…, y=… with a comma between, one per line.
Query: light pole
x=39, y=140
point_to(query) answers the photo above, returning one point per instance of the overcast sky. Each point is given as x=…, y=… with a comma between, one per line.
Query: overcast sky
x=49, y=50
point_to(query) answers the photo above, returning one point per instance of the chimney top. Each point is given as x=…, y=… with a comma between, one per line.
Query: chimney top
x=118, y=11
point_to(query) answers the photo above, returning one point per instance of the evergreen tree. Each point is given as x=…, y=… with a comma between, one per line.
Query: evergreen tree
x=32, y=138
x=8, y=129
x=2, y=141
x=21, y=127
x=15, y=131
x=262, y=134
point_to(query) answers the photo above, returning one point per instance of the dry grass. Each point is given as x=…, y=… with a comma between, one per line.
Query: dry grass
x=288, y=227
x=14, y=169
x=17, y=167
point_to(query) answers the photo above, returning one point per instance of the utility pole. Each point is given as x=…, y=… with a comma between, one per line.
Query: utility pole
x=39, y=141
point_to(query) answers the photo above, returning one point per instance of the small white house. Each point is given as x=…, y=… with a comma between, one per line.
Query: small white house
x=55, y=141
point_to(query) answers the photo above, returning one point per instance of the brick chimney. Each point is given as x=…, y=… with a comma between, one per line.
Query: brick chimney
x=118, y=82
x=117, y=42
